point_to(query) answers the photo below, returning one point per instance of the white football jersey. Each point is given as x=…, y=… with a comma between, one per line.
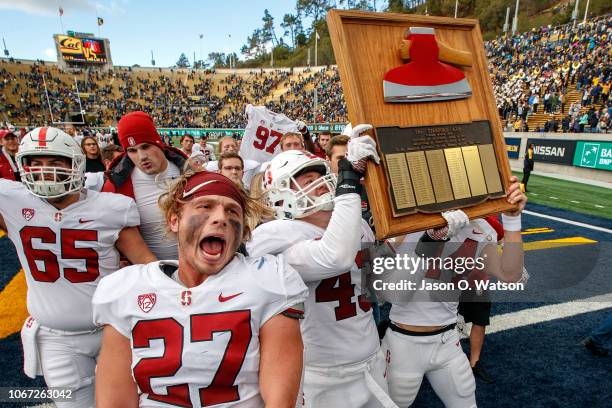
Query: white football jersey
x=64, y=253
x=424, y=310
x=262, y=135
x=198, y=346
x=338, y=326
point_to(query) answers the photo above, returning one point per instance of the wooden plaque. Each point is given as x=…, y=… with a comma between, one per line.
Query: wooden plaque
x=439, y=150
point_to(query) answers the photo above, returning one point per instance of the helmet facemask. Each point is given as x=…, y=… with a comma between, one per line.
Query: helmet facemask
x=52, y=182
x=294, y=202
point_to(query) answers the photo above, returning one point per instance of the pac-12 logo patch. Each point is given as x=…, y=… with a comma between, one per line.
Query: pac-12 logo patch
x=28, y=213
x=147, y=301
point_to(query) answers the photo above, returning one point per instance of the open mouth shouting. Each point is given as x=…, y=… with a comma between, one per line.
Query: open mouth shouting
x=213, y=247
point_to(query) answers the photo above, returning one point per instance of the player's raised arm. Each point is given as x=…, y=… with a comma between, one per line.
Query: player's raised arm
x=301, y=186
x=509, y=266
x=280, y=363
x=115, y=385
x=131, y=244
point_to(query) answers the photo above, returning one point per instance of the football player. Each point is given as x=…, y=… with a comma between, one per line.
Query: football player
x=67, y=238
x=320, y=231
x=421, y=340
x=213, y=328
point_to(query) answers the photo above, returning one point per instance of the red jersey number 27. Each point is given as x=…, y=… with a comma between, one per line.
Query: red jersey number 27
x=202, y=326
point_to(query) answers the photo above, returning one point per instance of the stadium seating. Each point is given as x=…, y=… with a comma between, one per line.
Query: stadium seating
x=565, y=61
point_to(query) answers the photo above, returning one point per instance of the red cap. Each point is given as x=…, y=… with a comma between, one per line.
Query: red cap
x=138, y=127
x=208, y=183
x=3, y=132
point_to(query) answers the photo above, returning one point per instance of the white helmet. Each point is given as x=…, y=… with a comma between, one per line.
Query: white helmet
x=290, y=203
x=51, y=182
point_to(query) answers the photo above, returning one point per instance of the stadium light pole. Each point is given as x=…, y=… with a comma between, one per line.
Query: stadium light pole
x=506, y=23
x=6, y=51
x=152, y=59
x=229, y=36
x=575, y=13
x=586, y=12
x=456, y=7
x=515, y=21
x=316, y=47
x=201, y=37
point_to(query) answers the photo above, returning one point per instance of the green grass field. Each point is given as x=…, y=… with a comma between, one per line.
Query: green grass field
x=569, y=195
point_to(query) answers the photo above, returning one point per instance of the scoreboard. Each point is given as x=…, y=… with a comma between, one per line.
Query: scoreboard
x=74, y=49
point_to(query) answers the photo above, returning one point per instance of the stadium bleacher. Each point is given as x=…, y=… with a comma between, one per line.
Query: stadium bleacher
x=567, y=67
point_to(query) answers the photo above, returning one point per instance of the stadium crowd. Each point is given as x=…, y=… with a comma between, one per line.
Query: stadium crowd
x=547, y=79
x=535, y=72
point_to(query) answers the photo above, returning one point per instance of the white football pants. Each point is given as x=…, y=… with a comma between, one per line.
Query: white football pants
x=359, y=385
x=439, y=357
x=66, y=360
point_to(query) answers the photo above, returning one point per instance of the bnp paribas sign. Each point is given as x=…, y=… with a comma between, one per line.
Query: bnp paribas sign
x=595, y=155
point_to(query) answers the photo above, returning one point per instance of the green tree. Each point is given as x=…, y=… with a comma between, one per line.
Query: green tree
x=183, y=61
x=217, y=59
x=289, y=24
x=255, y=45
x=267, y=31
x=313, y=8
x=395, y=6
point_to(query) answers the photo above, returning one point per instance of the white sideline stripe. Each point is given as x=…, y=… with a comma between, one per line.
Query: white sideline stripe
x=548, y=312
x=579, y=224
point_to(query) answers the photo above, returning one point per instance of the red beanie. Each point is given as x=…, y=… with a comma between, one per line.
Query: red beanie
x=137, y=127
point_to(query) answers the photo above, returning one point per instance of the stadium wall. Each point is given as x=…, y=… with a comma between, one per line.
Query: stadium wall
x=566, y=166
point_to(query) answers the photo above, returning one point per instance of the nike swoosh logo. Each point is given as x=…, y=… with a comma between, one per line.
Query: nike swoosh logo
x=226, y=298
x=82, y=221
x=477, y=232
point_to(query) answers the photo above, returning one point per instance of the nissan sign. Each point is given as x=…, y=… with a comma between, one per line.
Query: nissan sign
x=553, y=150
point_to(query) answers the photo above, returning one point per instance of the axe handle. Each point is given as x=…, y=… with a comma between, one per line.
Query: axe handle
x=446, y=54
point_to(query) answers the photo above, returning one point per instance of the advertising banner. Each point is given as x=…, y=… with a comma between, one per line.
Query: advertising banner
x=513, y=144
x=595, y=155
x=553, y=150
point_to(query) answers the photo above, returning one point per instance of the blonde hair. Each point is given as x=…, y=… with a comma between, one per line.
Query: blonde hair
x=171, y=203
x=291, y=134
x=222, y=140
x=257, y=193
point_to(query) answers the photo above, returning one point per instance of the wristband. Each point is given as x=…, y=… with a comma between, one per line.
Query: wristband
x=511, y=222
x=348, y=180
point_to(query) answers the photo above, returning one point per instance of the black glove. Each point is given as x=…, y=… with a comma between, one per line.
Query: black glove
x=349, y=181
x=429, y=247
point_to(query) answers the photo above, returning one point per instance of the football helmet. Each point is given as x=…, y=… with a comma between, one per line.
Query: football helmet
x=286, y=197
x=51, y=182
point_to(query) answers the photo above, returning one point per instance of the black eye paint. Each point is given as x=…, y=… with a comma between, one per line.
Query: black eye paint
x=194, y=222
x=237, y=229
